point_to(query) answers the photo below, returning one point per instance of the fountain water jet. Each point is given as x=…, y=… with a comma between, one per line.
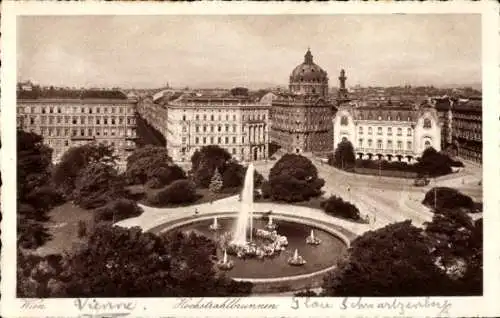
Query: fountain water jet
x=245, y=218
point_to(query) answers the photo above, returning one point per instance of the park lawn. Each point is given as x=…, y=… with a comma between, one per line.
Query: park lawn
x=63, y=227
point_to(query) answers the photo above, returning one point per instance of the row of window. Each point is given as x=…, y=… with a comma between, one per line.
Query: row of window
x=389, y=144
x=212, y=117
x=467, y=125
x=212, y=139
x=82, y=120
x=86, y=132
x=83, y=110
x=219, y=128
x=66, y=143
x=389, y=131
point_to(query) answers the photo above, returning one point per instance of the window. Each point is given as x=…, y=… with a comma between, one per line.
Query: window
x=98, y=121
x=234, y=128
x=204, y=117
x=369, y=130
x=197, y=128
x=211, y=140
x=105, y=121
x=408, y=132
x=242, y=140
x=360, y=143
x=379, y=131
x=234, y=140
x=74, y=121
x=427, y=123
x=204, y=128
x=196, y=140
x=234, y=151
x=219, y=128
x=344, y=121
x=389, y=131
x=219, y=140
x=212, y=128
x=400, y=145
x=408, y=145
x=227, y=128
x=184, y=117
x=369, y=143
x=212, y=117
x=360, y=130
x=227, y=117
x=197, y=117
x=379, y=144
x=226, y=140
x=389, y=144
x=400, y=132
x=204, y=140
x=234, y=117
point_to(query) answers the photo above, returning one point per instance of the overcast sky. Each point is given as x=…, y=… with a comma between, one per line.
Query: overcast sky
x=253, y=51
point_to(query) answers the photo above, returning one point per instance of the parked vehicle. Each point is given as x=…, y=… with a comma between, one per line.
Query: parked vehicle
x=421, y=182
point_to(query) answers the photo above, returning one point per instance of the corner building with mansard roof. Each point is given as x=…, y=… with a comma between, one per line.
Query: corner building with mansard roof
x=301, y=118
x=379, y=130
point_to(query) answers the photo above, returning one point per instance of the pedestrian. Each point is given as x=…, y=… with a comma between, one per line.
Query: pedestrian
x=196, y=211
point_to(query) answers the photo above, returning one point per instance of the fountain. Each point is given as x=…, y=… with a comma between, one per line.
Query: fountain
x=245, y=219
x=214, y=226
x=238, y=245
x=225, y=263
x=296, y=259
x=270, y=225
x=312, y=240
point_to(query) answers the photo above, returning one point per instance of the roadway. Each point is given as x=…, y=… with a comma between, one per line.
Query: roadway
x=386, y=200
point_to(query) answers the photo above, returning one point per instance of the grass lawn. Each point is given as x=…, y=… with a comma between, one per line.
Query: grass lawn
x=63, y=226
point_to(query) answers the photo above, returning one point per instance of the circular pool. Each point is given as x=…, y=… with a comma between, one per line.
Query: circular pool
x=320, y=258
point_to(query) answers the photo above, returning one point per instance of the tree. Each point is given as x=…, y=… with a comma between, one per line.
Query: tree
x=293, y=178
x=391, y=261
x=216, y=182
x=457, y=245
x=344, y=155
x=433, y=163
x=96, y=185
x=118, y=210
x=153, y=166
x=35, y=196
x=34, y=161
x=205, y=161
x=239, y=91
x=234, y=175
x=179, y=191
x=120, y=262
x=77, y=159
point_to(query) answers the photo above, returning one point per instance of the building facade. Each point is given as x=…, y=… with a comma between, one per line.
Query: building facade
x=68, y=122
x=393, y=133
x=301, y=118
x=462, y=126
x=239, y=125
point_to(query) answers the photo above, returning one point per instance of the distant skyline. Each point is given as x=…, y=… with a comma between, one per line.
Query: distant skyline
x=250, y=51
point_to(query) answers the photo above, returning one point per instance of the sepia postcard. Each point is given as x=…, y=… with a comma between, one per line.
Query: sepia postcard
x=253, y=160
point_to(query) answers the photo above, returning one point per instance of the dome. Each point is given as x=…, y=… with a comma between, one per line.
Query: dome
x=308, y=71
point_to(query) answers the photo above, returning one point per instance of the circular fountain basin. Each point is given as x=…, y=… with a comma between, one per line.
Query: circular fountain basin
x=275, y=274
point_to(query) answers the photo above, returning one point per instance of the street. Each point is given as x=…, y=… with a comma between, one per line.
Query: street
x=386, y=200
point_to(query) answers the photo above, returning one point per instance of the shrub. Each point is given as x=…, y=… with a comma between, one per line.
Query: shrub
x=118, y=210
x=180, y=191
x=336, y=206
x=447, y=198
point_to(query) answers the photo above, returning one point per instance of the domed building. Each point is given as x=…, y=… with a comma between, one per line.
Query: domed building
x=309, y=78
x=301, y=118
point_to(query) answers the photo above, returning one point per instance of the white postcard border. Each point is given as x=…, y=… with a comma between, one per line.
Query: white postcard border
x=487, y=305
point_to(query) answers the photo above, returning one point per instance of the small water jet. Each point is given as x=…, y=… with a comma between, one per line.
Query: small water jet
x=296, y=259
x=215, y=225
x=312, y=240
x=270, y=225
x=225, y=264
